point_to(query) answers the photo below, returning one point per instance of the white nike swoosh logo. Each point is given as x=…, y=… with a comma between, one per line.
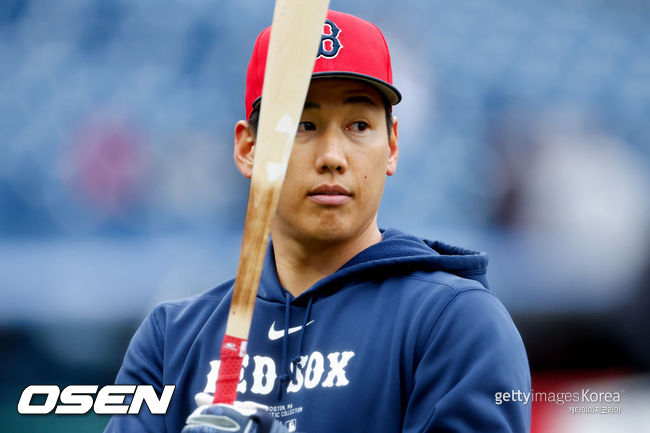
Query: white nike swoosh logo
x=275, y=334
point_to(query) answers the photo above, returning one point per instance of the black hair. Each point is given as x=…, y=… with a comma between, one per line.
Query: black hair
x=254, y=118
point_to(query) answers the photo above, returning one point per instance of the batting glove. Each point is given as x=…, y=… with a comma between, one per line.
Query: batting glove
x=245, y=417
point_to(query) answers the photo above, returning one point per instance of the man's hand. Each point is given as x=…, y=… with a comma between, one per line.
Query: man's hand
x=244, y=417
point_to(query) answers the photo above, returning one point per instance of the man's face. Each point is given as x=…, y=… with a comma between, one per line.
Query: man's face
x=340, y=159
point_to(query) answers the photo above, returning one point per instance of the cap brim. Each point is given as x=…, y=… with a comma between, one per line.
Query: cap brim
x=390, y=92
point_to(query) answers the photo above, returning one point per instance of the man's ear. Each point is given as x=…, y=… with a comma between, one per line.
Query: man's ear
x=393, y=150
x=244, y=148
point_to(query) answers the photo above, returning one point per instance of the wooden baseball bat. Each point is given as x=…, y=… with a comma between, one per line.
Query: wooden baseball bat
x=295, y=34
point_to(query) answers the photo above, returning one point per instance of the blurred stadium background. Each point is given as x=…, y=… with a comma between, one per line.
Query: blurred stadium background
x=523, y=131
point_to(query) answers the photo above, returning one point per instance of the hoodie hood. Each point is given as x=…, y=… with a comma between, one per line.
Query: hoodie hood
x=398, y=253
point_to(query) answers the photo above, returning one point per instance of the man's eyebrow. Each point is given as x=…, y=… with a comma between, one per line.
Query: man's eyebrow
x=309, y=104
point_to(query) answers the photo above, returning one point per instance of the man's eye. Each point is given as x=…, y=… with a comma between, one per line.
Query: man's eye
x=358, y=126
x=306, y=126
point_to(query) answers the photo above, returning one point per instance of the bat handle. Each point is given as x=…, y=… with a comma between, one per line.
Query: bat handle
x=233, y=350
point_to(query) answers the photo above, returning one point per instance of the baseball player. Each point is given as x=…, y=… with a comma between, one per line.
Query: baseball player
x=356, y=328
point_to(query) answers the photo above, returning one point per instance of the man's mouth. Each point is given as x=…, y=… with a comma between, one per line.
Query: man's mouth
x=330, y=195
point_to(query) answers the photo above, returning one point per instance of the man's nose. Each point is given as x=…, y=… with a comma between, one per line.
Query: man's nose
x=330, y=153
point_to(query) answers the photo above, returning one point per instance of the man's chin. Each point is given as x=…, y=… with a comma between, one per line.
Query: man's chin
x=329, y=233
x=320, y=230
x=322, y=233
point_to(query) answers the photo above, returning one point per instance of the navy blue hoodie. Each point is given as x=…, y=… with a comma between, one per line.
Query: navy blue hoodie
x=405, y=337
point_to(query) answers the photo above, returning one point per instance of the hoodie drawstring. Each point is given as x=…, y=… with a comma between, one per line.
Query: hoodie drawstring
x=289, y=374
x=285, y=345
x=295, y=361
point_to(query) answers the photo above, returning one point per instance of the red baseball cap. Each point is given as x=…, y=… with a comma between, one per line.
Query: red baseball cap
x=350, y=48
